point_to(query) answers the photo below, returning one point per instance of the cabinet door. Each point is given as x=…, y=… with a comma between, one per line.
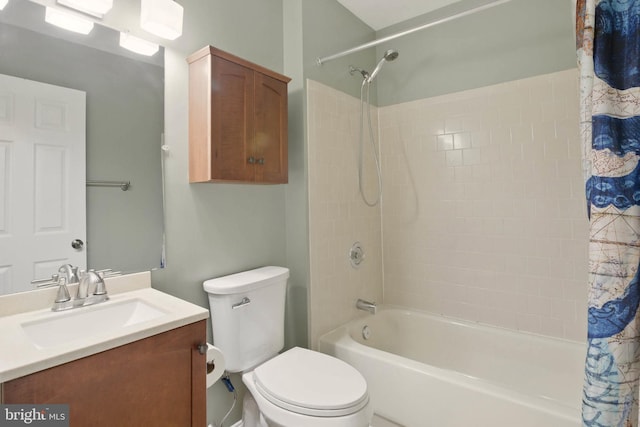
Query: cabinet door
x=270, y=135
x=231, y=121
x=157, y=381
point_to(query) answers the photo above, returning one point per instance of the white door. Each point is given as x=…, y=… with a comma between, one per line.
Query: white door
x=42, y=181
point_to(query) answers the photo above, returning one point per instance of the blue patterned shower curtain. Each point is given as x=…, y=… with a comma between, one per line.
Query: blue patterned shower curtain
x=608, y=43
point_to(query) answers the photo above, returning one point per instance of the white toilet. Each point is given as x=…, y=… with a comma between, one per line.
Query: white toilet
x=297, y=388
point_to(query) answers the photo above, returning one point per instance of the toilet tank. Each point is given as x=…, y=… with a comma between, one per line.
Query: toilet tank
x=247, y=315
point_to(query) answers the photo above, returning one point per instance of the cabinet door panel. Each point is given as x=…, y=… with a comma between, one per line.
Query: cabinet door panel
x=158, y=380
x=231, y=121
x=237, y=120
x=271, y=129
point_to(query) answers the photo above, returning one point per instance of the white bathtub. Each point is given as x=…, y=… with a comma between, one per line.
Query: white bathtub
x=426, y=370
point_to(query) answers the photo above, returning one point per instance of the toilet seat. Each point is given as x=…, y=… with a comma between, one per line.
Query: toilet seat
x=311, y=383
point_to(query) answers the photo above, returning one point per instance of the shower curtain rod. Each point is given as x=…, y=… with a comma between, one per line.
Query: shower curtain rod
x=373, y=43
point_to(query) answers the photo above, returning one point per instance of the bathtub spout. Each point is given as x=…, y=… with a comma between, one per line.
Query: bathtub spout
x=366, y=306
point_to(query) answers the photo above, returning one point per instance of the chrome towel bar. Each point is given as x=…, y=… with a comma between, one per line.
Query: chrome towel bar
x=124, y=185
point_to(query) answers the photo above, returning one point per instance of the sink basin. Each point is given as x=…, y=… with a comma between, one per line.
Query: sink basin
x=61, y=328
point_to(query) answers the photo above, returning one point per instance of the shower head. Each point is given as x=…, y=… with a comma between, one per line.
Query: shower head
x=389, y=56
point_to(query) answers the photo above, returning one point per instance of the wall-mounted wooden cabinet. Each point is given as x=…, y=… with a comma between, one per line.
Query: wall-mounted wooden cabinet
x=156, y=381
x=237, y=120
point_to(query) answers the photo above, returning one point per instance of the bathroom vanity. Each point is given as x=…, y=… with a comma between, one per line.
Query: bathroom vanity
x=142, y=367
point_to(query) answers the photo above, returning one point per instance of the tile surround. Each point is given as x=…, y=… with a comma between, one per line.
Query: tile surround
x=337, y=215
x=483, y=213
x=484, y=210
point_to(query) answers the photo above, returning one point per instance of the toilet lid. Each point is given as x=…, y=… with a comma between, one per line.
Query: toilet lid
x=311, y=383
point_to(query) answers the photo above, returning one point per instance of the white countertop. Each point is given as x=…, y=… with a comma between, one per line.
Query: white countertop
x=19, y=356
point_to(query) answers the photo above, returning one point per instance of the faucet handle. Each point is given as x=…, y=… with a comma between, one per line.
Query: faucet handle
x=101, y=289
x=63, y=292
x=83, y=285
x=74, y=275
x=70, y=272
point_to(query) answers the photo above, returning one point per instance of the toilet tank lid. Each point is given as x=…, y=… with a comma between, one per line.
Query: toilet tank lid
x=246, y=281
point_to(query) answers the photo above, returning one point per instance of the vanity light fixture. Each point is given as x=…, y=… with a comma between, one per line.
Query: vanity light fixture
x=162, y=18
x=3, y=3
x=138, y=45
x=68, y=21
x=97, y=8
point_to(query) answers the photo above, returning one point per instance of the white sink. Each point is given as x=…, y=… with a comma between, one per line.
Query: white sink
x=59, y=328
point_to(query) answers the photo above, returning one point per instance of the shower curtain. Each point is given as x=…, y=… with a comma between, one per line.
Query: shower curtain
x=608, y=45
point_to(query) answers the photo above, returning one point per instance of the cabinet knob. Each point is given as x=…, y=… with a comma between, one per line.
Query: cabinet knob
x=261, y=161
x=251, y=160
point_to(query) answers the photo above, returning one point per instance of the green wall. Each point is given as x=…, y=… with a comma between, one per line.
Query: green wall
x=330, y=28
x=217, y=229
x=297, y=215
x=515, y=40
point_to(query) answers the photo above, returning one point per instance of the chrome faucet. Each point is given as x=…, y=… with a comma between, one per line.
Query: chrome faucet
x=371, y=307
x=88, y=279
x=83, y=296
x=69, y=272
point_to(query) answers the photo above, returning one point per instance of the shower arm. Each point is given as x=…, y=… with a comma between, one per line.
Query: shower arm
x=322, y=60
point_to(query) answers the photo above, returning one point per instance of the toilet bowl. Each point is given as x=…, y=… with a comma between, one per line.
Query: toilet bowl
x=305, y=388
x=298, y=388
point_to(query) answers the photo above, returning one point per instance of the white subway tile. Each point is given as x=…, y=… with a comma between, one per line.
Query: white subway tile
x=461, y=140
x=528, y=323
x=575, y=330
x=480, y=137
x=483, y=214
x=556, y=148
x=472, y=156
x=454, y=158
x=552, y=326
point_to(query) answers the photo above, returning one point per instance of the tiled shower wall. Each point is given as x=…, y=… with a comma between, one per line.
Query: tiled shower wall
x=484, y=209
x=483, y=212
x=337, y=215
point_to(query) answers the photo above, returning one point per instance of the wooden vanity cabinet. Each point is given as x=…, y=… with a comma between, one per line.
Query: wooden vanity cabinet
x=156, y=381
x=237, y=120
